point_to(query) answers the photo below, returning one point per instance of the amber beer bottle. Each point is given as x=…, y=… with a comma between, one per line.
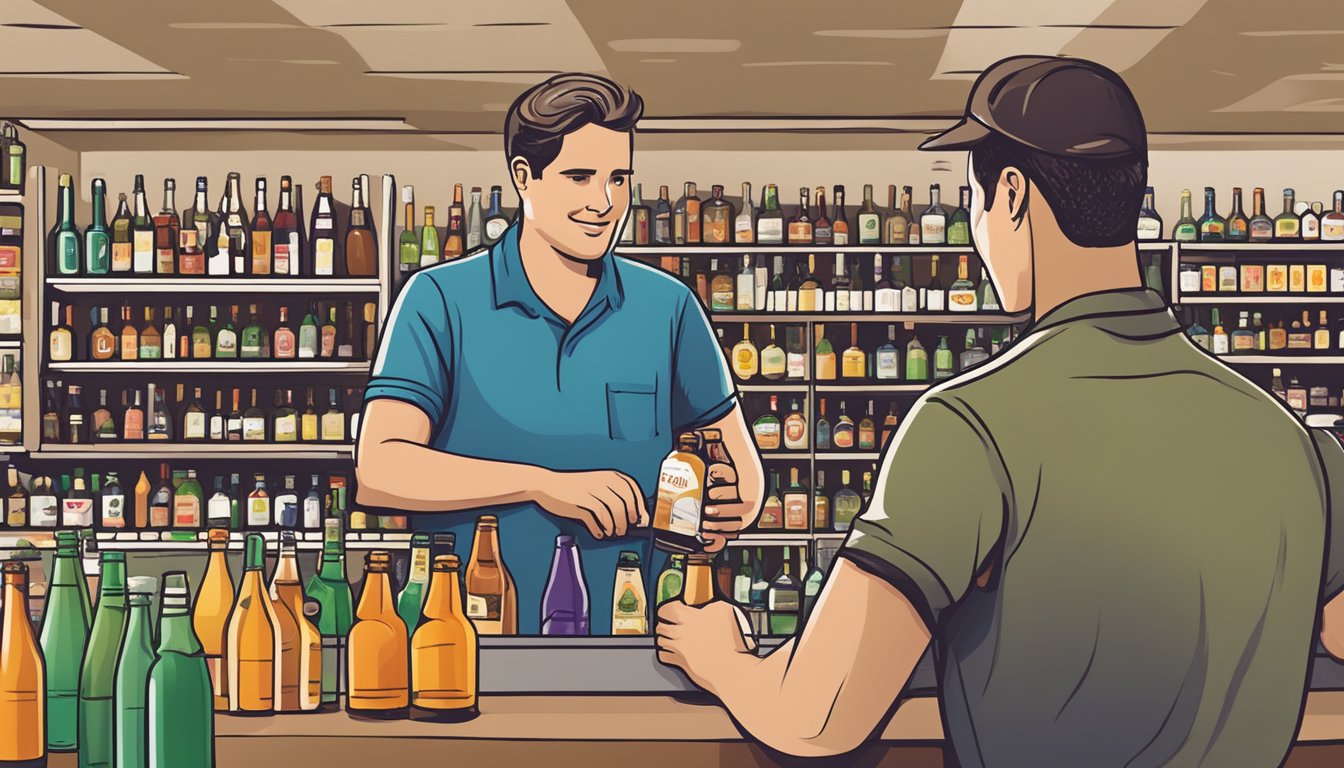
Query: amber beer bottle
x=298, y=644
x=23, y=706
x=699, y=589
x=681, y=484
x=492, y=599
x=444, y=651
x=249, y=646
x=377, y=647
x=210, y=614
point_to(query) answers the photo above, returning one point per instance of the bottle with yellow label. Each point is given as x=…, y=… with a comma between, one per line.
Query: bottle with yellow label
x=681, y=483
x=630, y=608
x=746, y=361
x=377, y=650
x=854, y=362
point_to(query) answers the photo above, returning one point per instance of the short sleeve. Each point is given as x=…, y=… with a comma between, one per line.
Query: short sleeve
x=1332, y=461
x=414, y=356
x=702, y=393
x=941, y=506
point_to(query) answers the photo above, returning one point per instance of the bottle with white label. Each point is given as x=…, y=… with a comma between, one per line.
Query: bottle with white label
x=43, y=508
x=312, y=505
x=886, y=293
x=113, y=503
x=933, y=222
x=285, y=505
x=259, y=505
x=322, y=257
x=219, y=509
x=681, y=482
x=142, y=233
x=77, y=506
x=746, y=287
x=889, y=357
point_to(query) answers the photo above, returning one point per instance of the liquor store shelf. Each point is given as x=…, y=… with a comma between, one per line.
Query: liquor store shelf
x=740, y=248
x=1309, y=245
x=1294, y=299
x=171, y=541
x=950, y=318
x=1283, y=359
x=210, y=366
x=806, y=455
x=772, y=388
x=118, y=451
x=10, y=343
x=860, y=389
x=211, y=285
x=783, y=539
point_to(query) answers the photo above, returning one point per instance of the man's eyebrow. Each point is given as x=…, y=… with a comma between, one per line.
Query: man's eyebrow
x=579, y=172
x=622, y=172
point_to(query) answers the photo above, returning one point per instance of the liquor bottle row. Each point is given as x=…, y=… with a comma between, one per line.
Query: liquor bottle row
x=178, y=500
x=865, y=431
x=326, y=331
x=11, y=266
x=809, y=284
x=869, y=361
x=795, y=508
x=223, y=242
x=718, y=220
x=1253, y=335
x=1304, y=398
x=151, y=414
x=774, y=606
x=13, y=160
x=1300, y=221
x=1261, y=278
x=468, y=228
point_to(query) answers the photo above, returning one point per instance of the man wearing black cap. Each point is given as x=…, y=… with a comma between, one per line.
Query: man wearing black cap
x=1102, y=584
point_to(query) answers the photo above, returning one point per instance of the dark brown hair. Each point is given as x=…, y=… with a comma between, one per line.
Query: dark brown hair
x=1096, y=201
x=544, y=114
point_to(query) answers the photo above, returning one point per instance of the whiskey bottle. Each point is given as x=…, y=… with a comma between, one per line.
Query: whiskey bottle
x=770, y=222
x=377, y=656
x=361, y=241
x=800, y=226
x=869, y=219
x=1186, y=229
x=1287, y=225
x=65, y=238
x=744, y=228
x=1212, y=227
x=784, y=602
x=933, y=221
x=1150, y=223
x=823, y=233
x=717, y=218
x=839, y=223
x=455, y=239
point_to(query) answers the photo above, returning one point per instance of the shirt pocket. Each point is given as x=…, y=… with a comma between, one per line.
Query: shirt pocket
x=632, y=411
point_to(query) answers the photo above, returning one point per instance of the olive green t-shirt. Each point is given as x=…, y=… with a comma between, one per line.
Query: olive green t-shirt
x=1118, y=543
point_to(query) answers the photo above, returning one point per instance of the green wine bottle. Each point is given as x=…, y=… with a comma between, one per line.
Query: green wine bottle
x=132, y=684
x=181, y=725
x=63, y=637
x=336, y=607
x=412, y=596
x=98, y=672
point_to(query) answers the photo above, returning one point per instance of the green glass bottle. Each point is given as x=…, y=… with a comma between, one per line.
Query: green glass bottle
x=409, y=246
x=65, y=238
x=181, y=726
x=98, y=671
x=132, y=684
x=916, y=361
x=412, y=596
x=812, y=580
x=942, y=360
x=63, y=637
x=249, y=347
x=97, y=240
x=959, y=227
x=672, y=579
x=336, y=607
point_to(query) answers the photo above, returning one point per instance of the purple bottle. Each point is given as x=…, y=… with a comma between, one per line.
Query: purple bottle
x=564, y=606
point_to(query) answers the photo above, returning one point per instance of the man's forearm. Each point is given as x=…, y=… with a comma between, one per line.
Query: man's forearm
x=400, y=474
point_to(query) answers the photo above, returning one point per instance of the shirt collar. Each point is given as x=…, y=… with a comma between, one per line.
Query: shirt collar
x=1132, y=312
x=511, y=285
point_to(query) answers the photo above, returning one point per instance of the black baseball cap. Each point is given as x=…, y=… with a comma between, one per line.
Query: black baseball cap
x=1061, y=106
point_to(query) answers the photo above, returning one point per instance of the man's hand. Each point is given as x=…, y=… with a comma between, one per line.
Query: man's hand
x=607, y=502
x=726, y=514
x=699, y=640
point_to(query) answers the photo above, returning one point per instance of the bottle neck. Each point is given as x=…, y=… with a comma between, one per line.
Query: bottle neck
x=1209, y=211
x=16, y=605
x=1185, y=207
x=442, y=600
x=485, y=546
x=333, y=567
x=99, y=207
x=376, y=599
x=67, y=206
x=176, y=633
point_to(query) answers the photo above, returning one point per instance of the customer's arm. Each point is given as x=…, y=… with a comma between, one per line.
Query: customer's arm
x=1332, y=614
x=821, y=694
x=395, y=468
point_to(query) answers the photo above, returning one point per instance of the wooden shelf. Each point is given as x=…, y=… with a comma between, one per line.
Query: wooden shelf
x=211, y=366
x=1311, y=245
x=335, y=452
x=949, y=318
x=772, y=388
x=109, y=284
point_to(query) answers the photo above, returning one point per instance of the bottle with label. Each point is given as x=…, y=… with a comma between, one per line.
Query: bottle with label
x=846, y=503
x=795, y=428
x=97, y=239
x=746, y=361
x=259, y=504
x=825, y=355
x=361, y=240
x=180, y=723
x=795, y=503
x=77, y=506
x=843, y=433
x=1287, y=225
x=113, y=514
x=454, y=240
x=717, y=217
x=823, y=429
x=298, y=649
x=1150, y=224
x=821, y=504
x=1186, y=229
x=783, y=602
x=774, y=362
x=916, y=361
x=681, y=483
x=330, y=589
x=772, y=509
x=412, y=594
x=444, y=650
x=629, y=610
x=23, y=687
x=492, y=603
x=888, y=365
x=672, y=578
x=63, y=637
x=1212, y=227
x=250, y=638
x=766, y=428
x=564, y=604
x=495, y=220
x=65, y=237
x=97, y=677
x=959, y=225
x=853, y=362
x=961, y=296
x=770, y=222
x=323, y=257
x=933, y=221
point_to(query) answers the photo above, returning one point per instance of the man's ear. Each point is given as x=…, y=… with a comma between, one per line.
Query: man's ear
x=1013, y=190
x=521, y=171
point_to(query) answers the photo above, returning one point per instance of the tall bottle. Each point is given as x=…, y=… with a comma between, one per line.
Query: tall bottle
x=180, y=723
x=444, y=651
x=298, y=648
x=262, y=232
x=98, y=672
x=132, y=685
x=197, y=254
x=331, y=591
x=454, y=240
x=97, y=240
x=23, y=712
x=167, y=231
x=408, y=246
x=417, y=580
x=492, y=603
x=770, y=222
x=429, y=240
x=65, y=235
x=495, y=220
x=63, y=637
x=475, y=221
x=1150, y=224
x=564, y=605
x=142, y=231
x=234, y=222
x=1186, y=229
x=361, y=242
x=286, y=231
x=378, y=661
x=249, y=639
x=210, y=614
x=933, y=221
x=322, y=256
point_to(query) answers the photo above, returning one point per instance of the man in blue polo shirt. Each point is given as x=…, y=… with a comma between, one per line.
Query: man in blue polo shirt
x=544, y=379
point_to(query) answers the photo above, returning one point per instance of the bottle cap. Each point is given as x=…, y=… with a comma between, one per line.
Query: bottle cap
x=628, y=558
x=106, y=556
x=142, y=585
x=420, y=540
x=445, y=563
x=563, y=542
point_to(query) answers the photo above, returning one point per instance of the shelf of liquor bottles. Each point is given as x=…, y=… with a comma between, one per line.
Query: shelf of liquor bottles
x=112, y=284
x=149, y=450
x=209, y=366
x=194, y=541
x=739, y=249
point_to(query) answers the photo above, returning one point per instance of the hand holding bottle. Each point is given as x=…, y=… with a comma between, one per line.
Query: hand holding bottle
x=608, y=503
x=726, y=513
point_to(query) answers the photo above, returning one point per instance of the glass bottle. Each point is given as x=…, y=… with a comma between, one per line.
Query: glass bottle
x=1287, y=225
x=322, y=257
x=846, y=504
x=475, y=223
x=671, y=580
x=180, y=723
x=495, y=220
x=1212, y=227
x=378, y=655
x=412, y=594
x=330, y=589
x=1238, y=226
x=800, y=226
x=681, y=483
x=298, y=651
x=1332, y=222
x=942, y=360
x=744, y=226
x=444, y=651
x=564, y=604
x=933, y=221
x=823, y=428
x=783, y=602
x=132, y=683
x=717, y=218
x=65, y=237
x=63, y=637
x=897, y=229
x=1150, y=223
x=770, y=223
x=97, y=240
x=959, y=225
x=97, y=677
x=361, y=241
x=629, y=607
x=250, y=638
x=869, y=219
x=916, y=361
x=1186, y=229
x=408, y=246
x=839, y=224
x=1261, y=226
x=429, y=240
x=22, y=677
x=492, y=603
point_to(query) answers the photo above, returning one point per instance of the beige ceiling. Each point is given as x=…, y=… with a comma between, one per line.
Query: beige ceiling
x=1197, y=66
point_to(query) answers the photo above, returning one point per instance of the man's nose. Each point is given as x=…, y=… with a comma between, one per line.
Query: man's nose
x=600, y=203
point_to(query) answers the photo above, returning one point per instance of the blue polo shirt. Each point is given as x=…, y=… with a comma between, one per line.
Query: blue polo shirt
x=502, y=377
